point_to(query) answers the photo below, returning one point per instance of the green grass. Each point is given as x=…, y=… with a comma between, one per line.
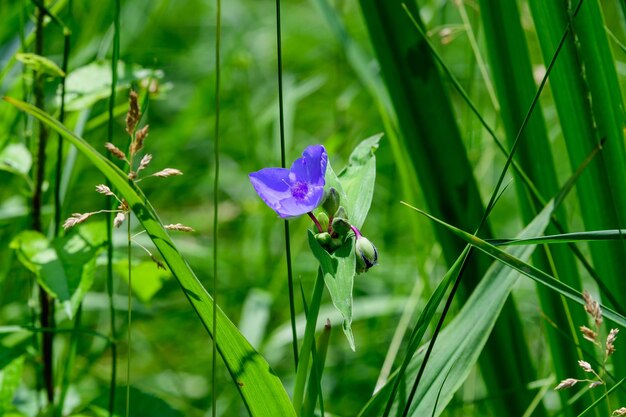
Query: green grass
x=480, y=327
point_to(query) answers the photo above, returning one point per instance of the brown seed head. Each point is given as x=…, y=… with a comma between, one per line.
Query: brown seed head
x=619, y=412
x=586, y=366
x=588, y=334
x=140, y=137
x=595, y=384
x=179, y=227
x=593, y=308
x=77, y=218
x=119, y=219
x=566, y=383
x=103, y=189
x=144, y=162
x=133, y=115
x=115, y=151
x=610, y=339
x=168, y=172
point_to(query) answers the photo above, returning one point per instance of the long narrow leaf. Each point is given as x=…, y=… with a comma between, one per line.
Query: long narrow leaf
x=261, y=390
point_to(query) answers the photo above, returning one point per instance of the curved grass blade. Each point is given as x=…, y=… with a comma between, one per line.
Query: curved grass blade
x=521, y=266
x=461, y=341
x=260, y=389
x=590, y=236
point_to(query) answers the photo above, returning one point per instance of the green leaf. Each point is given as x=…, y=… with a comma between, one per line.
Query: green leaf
x=462, y=341
x=40, y=64
x=65, y=267
x=92, y=83
x=261, y=390
x=358, y=178
x=10, y=379
x=147, y=278
x=339, y=270
x=526, y=269
x=16, y=158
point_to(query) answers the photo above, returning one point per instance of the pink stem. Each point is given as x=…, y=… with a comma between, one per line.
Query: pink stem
x=317, y=223
x=356, y=231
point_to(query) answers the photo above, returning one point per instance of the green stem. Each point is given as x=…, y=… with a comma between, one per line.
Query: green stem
x=130, y=311
x=46, y=314
x=281, y=121
x=109, y=203
x=307, y=343
x=218, y=38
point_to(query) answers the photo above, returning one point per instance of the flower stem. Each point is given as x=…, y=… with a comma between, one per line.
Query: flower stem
x=356, y=231
x=317, y=223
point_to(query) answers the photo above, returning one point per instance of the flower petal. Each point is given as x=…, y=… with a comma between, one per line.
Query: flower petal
x=271, y=184
x=312, y=166
x=293, y=207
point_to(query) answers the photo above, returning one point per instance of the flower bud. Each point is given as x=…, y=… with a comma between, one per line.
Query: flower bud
x=366, y=254
x=341, y=226
x=323, y=238
x=323, y=220
x=331, y=201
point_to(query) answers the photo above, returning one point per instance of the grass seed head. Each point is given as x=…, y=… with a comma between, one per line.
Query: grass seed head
x=619, y=412
x=610, y=340
x=140, y=137
x=76, y=218
x=566, y=383
x=588, y=334
x=168, y=172
x=119, y=219
x=103, y=189
x=115, y=151
x=179, y=227
x=586, y=366
x=144, y=162
x=593, y=308
x=133, y=115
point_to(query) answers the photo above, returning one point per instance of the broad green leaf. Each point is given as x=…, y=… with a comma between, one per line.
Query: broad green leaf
x=91, y=83
x=16, y=158
x=147, y=278
x=358, y=177
x=65, y=267
x=261, y=390
x=40, y=64
x=338, y=269
x=10, y=379
x=462, y=341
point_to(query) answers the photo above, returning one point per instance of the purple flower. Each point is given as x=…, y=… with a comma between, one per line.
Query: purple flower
x=295, y=191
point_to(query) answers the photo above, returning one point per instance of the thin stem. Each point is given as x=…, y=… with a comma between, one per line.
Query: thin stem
x=317, y=223
x=218, y=39
x=46, y=314
x=130, y=311
x=281, y=120
x=109, y=204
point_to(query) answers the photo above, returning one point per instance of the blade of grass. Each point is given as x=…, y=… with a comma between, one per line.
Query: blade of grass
x=515, y=87
x=526, y=269
x=260, y=389
x=412, y=77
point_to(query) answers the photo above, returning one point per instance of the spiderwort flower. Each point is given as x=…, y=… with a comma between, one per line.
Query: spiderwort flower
x=295, y=191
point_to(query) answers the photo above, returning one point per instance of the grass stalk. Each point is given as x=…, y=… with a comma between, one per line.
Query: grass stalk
x=130, y=315
x=434, y=145
x=218, y=38
x=46, y=304
x=108, y=204
x=283, y=163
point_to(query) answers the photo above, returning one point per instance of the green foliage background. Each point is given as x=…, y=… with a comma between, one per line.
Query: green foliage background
x=337, y=94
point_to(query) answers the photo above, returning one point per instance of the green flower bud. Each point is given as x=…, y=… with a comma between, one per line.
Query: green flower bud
x=323, y=238
x=366, y=254
x=331, y=201
x=335, y=243
x=341, y=226
x=322, y=218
